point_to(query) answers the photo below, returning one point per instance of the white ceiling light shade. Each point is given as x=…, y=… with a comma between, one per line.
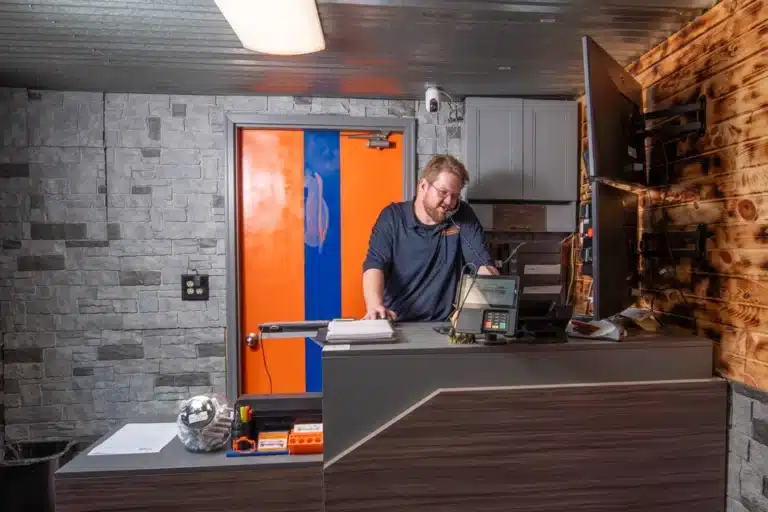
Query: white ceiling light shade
x=278, y=27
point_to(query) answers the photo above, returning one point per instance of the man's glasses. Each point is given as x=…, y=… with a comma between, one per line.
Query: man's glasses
x=444, y=194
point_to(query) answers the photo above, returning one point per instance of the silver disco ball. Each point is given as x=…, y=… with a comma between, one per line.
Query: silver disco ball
x=205, y=423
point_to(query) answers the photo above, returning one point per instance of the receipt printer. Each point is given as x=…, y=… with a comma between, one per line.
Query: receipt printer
x=487, y=305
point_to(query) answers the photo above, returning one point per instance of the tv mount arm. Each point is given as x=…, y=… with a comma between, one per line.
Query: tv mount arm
x=666, y=131
x=660, y=245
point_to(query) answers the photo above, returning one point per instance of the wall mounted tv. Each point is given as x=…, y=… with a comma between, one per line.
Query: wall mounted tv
x=617, y=124
x=614, y=101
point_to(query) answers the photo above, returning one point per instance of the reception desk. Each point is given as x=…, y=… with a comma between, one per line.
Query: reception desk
x=424, y=425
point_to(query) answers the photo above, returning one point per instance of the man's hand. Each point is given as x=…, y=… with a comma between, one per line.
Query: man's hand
x=380, y=312
x=487, y=270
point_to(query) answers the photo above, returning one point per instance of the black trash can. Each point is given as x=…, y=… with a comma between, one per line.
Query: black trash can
x=27, y=474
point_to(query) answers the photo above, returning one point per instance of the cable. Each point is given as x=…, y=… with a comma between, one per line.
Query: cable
x=461, y=302
x=665, y=231
x=266, y=367
x=479, y=259
x=663, y=202
x=509, y=258
x=571, y=268
x=453, y=108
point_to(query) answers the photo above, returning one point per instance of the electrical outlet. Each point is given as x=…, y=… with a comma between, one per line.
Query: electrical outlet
x=194, y=287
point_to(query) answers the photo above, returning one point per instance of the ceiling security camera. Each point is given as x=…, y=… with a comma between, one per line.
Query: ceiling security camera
x=432, y=99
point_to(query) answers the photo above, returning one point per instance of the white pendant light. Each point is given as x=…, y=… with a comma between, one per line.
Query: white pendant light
x=278, y=27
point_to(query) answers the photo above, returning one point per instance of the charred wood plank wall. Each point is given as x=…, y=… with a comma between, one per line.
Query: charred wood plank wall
x=720, y=180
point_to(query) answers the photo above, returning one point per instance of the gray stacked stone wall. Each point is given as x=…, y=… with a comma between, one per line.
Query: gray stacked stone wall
x=105, y=200
x=747, y=450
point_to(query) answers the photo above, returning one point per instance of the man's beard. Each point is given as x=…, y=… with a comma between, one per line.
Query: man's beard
x=435, y=213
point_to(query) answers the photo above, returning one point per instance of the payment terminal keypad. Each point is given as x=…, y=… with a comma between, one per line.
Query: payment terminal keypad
x=495, y=321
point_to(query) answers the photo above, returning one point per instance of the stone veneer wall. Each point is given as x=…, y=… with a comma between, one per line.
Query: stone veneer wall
x=748, y=450
x=105, y=200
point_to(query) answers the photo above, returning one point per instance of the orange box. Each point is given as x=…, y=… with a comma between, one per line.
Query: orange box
x=306, y=439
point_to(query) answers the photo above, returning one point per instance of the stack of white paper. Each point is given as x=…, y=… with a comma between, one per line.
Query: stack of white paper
x=136, y=438
x=360, y=330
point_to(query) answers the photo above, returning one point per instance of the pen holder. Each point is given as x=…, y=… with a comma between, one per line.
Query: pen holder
x=242, y=441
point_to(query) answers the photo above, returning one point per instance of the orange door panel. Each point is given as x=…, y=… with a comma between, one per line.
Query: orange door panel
x=272, y=257
x=370, y=180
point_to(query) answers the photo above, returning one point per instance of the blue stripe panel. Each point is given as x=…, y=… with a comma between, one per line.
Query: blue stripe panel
x=322, y=240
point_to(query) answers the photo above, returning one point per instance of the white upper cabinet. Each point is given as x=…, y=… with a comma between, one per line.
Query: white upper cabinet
x=519, y=149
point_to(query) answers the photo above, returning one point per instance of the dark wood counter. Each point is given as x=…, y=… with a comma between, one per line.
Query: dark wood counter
x=366, y=385
x=425, y=425
x=175, y=478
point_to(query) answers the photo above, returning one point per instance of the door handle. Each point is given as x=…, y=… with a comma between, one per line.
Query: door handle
x=252, y=339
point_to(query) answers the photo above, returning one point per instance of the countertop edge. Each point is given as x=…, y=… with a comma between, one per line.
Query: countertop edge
x=61, y=473
x=518, y=347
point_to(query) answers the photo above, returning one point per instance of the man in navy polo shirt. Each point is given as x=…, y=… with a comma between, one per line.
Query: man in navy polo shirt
x=418, y=248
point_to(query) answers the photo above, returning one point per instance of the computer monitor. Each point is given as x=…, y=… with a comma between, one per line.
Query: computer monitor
x=615, y=258
x=615, y=120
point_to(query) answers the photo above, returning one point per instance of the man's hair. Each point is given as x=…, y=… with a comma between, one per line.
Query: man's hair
x=445, y=163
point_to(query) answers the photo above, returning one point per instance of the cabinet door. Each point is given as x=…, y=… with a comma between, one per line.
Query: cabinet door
x=550, y=156
x=493, y=152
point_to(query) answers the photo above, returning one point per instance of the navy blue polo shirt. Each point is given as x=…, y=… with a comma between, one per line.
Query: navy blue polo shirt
x=422, y=264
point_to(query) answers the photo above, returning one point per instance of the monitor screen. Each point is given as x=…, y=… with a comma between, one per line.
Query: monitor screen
x=614, y=111
x=488, y=291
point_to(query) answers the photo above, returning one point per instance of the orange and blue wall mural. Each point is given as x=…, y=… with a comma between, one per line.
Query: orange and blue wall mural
x=308, y=199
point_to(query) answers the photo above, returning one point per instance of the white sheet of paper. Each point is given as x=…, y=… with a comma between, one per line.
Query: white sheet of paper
x=136, y=438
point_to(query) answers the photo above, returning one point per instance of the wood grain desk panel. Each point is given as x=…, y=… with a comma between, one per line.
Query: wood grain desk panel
x=231, y=488
x=644, y=447
x=424, y=361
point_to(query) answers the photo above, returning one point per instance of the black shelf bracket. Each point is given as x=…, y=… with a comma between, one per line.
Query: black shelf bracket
x=670, y=130
x=660, y=245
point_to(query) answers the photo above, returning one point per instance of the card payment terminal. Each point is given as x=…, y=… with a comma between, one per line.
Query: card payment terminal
x=487, y=305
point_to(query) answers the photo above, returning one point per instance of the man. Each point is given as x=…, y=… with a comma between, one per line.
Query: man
x=417, y=251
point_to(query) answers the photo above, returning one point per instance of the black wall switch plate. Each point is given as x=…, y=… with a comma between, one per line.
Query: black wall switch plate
x=194, y=287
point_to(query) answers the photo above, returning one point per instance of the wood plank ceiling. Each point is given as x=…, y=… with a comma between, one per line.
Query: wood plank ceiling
x=375, y=47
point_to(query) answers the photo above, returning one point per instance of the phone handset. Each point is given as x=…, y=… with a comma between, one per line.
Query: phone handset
x=451, y=213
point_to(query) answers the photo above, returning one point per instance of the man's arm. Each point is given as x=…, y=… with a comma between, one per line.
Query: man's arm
x=377, y=263
x=373, y=288
x=474, y=248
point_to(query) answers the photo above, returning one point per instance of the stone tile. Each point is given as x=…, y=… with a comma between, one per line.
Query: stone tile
x=120, y=352
x=11, y=170
x=139, y=278
x=183, y=379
